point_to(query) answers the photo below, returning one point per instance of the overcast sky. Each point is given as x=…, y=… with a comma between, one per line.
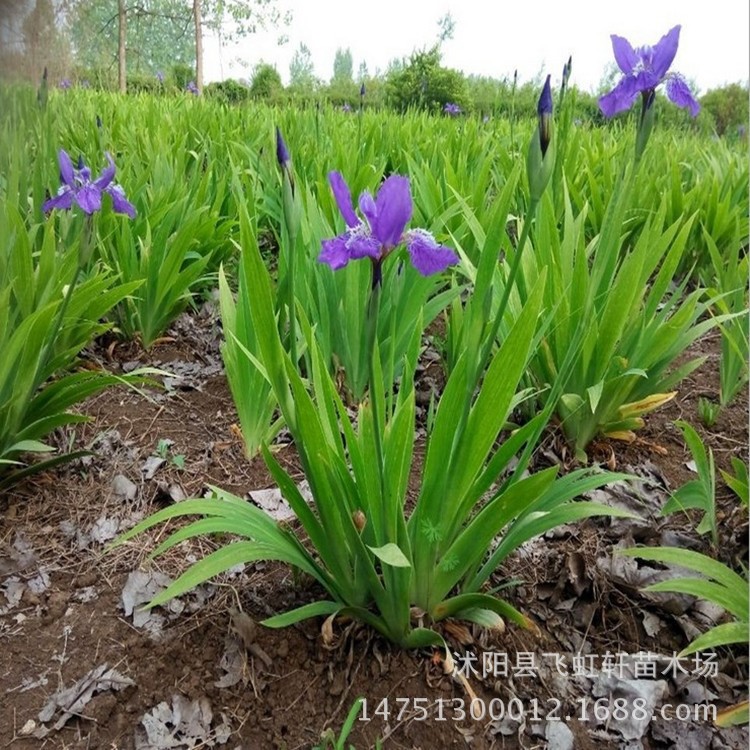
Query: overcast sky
x=494, y=37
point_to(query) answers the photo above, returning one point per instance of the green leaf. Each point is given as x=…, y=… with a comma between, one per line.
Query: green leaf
x=734, y=715
x=32, y=446
x=595, y=393
x=391, y=554
x=315, y=609
x=486, y=618
x=722, y=635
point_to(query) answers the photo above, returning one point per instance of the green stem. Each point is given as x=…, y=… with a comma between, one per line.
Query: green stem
x=373, y=310
x=46, y=354
x=290, y=220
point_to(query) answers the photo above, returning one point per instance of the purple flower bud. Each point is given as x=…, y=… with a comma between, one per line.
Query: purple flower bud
x=544, y=106
x=362, y=90
x=282, y=152
x=544, y=111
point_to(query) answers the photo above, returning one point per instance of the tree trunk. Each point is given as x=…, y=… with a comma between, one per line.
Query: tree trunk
x=121, y=50
x=198, y=45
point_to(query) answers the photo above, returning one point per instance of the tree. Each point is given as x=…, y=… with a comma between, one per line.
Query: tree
x=425, y=84
x=266, y=83
x=728, y=105
x=198, y=22
x=232, y=20
x=343, y=67
x=447, y=27
x=42, y=41
x=301, y=69
x=157, y=35
x=122, y=30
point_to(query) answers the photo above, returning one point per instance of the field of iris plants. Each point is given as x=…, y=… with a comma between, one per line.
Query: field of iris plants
x=453, y=329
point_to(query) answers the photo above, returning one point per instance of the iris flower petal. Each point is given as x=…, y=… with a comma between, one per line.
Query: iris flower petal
x=394, y=210
x=625, y=56
x=645, y=80
x=679, y=92
x=620, y=98
x=107, y=175
x=368, y=208
x=343, y=198
x=363, y=245
x=67, y=172
x=63, y=200
x=120, y=203
x=89, y=198
x=664, y=52
x=427, y=256
x=334, y=252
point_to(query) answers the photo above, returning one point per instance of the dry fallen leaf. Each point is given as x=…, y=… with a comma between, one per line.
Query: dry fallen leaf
x=72, y=700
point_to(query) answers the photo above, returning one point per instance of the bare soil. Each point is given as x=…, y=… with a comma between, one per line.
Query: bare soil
x=201, y=674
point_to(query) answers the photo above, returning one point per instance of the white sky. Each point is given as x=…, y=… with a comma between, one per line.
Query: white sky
x=493, y=37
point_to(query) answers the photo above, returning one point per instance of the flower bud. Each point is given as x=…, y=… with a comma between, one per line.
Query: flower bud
x=544, y=112
x=282, y=152
x=360, y=520
x=540, y=160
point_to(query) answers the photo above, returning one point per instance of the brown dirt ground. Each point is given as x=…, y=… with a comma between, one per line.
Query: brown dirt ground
x=291, y=687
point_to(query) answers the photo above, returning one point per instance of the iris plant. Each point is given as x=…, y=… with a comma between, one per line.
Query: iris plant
x=452, y=109
x=291, y=213
x=382, y=230
x=78, y=186
x=644, y=69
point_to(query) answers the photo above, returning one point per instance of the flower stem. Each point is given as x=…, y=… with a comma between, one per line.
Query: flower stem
x=291, y=219
x=46, y=355
x=373, y=311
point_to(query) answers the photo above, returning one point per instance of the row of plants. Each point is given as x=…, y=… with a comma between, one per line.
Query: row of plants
x=569, y=289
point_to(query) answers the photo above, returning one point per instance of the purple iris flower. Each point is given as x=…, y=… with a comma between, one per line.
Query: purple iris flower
x=65, y=83
x=452, y=109
x=78, y=186
x=192, y=88
x=382, y=230
x=644, y=69
x=346, y=107
x=160, y=76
